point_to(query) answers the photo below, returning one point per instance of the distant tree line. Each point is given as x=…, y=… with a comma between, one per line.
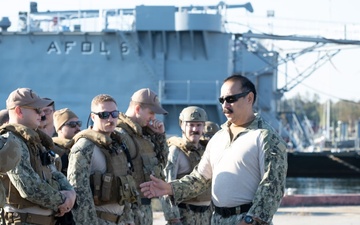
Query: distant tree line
x=343, y=110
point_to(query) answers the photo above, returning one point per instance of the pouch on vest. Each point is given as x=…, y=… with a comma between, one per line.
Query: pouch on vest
x=14, y=198
x=127, y=190
x=107, y=180
x=158, y=171
x=151, y=166
x=95, y=180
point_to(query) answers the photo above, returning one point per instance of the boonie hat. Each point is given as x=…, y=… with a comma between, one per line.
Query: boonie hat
x=61, y=116
x=26, y=97
x=149, y=98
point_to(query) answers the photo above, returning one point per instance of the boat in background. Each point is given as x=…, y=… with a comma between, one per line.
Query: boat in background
x=325, y=164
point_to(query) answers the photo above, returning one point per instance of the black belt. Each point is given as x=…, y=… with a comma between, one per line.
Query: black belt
x=227, y=212
x=145, y=201
x=194, y=208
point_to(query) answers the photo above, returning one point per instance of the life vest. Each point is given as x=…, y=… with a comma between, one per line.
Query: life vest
x=116, y=185
x=41, y=160
x=148, y=160
x=194, y=155
x=62, y=145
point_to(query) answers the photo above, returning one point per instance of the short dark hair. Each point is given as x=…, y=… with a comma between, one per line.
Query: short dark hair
x=51, y=104
x=246, y=84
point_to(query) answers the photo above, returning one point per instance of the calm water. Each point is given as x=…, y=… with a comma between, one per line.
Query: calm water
x=311, y=186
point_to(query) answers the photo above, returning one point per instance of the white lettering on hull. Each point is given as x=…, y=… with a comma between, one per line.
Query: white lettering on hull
x=86, y=48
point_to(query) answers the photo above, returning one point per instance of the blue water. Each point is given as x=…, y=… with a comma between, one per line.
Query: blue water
x=312, y=186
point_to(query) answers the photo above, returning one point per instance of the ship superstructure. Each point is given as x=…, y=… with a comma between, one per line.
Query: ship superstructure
x=182, y=53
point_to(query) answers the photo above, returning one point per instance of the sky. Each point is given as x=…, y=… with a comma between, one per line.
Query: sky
x=337, y=79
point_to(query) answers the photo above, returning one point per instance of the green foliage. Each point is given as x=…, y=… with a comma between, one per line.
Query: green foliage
x=342, y=110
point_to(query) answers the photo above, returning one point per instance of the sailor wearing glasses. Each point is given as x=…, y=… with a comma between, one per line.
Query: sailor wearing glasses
x=147, y=135
x=184, y=154
x=100, y=168
x=246, y=161
x=47, y=122
x=36, y=192
x=66, y=124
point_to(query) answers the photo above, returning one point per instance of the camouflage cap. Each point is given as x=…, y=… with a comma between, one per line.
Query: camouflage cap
x=10, y=153
x=193, y=113
x=150, y=99
x=61, y=116
x=26, y=97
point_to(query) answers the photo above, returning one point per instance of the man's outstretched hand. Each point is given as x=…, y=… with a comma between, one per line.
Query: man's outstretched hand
x=155, y=188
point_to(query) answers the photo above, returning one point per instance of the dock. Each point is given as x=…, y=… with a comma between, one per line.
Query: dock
x=329, y=215
x=321, y=200
x=316, y=209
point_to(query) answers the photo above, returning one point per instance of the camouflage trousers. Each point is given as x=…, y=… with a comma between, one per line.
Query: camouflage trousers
x=189, y=217
x=143, y=215
x=217, y=219
x=2, y=195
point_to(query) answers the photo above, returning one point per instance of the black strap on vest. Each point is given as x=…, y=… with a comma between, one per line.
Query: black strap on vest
x=128, y=156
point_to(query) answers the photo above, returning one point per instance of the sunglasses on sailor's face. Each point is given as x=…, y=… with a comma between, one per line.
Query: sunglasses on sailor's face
x=106, y=115
x=73, y=124
x=48, y=111
x=233, y=98
x=37, y=110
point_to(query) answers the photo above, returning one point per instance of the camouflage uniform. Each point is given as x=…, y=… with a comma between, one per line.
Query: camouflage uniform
x=62, y=148
x=10, y=156
x=81, y=169
x=218, y=219
x=188, y=213
x=2, y=195
x=267, y=148
x=40, y=189
x=151, y=149
x=209, y=130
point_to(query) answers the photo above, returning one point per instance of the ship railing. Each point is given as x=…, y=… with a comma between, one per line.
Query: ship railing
x=103, y=19
x=77, y=20
x=235, y=20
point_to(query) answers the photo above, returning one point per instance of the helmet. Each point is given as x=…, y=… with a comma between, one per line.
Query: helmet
x=192, y=114
x=210, y=128
x=10, y=153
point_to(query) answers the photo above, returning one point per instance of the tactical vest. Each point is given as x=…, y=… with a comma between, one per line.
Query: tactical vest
x=193, y=154
x=41, y=157
x=62, y=145
x=146, y=160
x=116, y=185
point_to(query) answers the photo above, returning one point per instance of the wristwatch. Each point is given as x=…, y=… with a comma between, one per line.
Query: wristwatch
x=248, y=219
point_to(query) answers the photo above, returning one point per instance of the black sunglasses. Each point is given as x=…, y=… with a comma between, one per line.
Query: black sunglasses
x=73, y=124
x=233, y=98
x=106, y=115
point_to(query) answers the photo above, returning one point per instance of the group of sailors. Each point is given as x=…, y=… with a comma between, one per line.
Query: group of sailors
x=54, y=172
